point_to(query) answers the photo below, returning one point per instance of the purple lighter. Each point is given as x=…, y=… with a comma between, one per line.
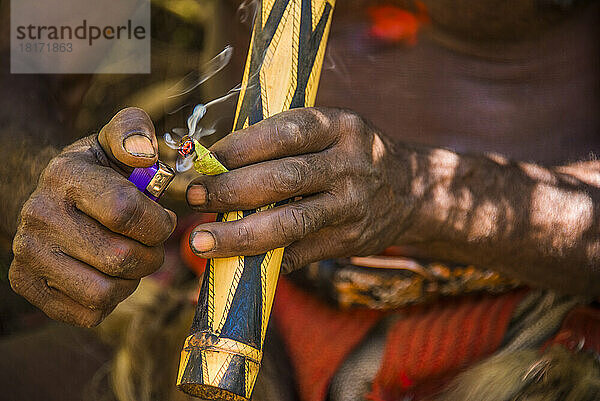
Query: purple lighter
x=153, y=180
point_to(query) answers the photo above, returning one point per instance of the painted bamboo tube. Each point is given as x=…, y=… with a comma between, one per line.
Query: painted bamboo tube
x=221, y=357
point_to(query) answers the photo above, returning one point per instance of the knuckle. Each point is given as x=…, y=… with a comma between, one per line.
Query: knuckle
x=18, y=278
x=354, y=202
x=321, y=117
x=354, y=234
x=23, y=246
x=90, y=318
x=104, y=295
x=134, y=115
x=287, y=131
x=294, y=223
x=245, y=235
x=100, y=296
x=349, y=121
x=55, y=170
x=289, y=177
x=42, y=212
x=27, y=285
x=226, y=194
x=322, y=121
x=354, y=198
x=33, y=209
x=124, y=208
x=20, y=245
x=127, y=261
x=38, y=294
x=234, y=155
x=291, y=261
x=121, y=260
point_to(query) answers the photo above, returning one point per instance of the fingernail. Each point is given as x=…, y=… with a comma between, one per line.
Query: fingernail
x=139, y=145
x=197, y=195
x=203, y=241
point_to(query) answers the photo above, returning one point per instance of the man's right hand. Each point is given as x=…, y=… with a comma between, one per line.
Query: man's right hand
x=86, y=234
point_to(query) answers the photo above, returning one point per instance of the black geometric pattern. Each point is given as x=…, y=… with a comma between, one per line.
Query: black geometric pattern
x=193, y=371
x=244, y=320
x=308, y=49
x=234, y=378
x=242, y=323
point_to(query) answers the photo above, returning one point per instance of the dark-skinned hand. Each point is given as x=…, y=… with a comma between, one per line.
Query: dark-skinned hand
x=87, y=235
x=342, y=173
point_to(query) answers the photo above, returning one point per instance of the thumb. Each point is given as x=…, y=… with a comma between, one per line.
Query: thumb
x=129, y=139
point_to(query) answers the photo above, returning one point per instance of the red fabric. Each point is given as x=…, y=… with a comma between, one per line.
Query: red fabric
x=427, y=345
x=191, y=260
x=581, y=328
x=317, y=336
x=396, y=25
x=425, y=348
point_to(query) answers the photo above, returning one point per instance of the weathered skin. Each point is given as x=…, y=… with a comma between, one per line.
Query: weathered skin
x=363, y=192
x=86, y=235
x=533, y=100
x=364, y=186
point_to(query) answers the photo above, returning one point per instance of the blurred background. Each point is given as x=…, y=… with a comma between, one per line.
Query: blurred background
x=134, y=354
x=42, y=359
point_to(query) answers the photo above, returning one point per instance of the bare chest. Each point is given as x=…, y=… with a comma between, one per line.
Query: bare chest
x=537, y=100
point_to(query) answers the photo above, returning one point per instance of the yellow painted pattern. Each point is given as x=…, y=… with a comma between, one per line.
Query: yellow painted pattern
x=278, y=85
x=251, y=373
x=229, y=277
x=315, y=75
x=267, y=6
x=278, y=70
x=270, y=271
x=183, y=362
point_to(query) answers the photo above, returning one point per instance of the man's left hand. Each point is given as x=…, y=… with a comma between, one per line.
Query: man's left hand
x=348, y=186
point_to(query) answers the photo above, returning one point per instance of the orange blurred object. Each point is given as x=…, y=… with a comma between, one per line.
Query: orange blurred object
x=193, y=262
x=397, y=25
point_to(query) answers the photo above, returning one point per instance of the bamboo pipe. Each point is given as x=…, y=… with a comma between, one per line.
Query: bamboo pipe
x=221, y=357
